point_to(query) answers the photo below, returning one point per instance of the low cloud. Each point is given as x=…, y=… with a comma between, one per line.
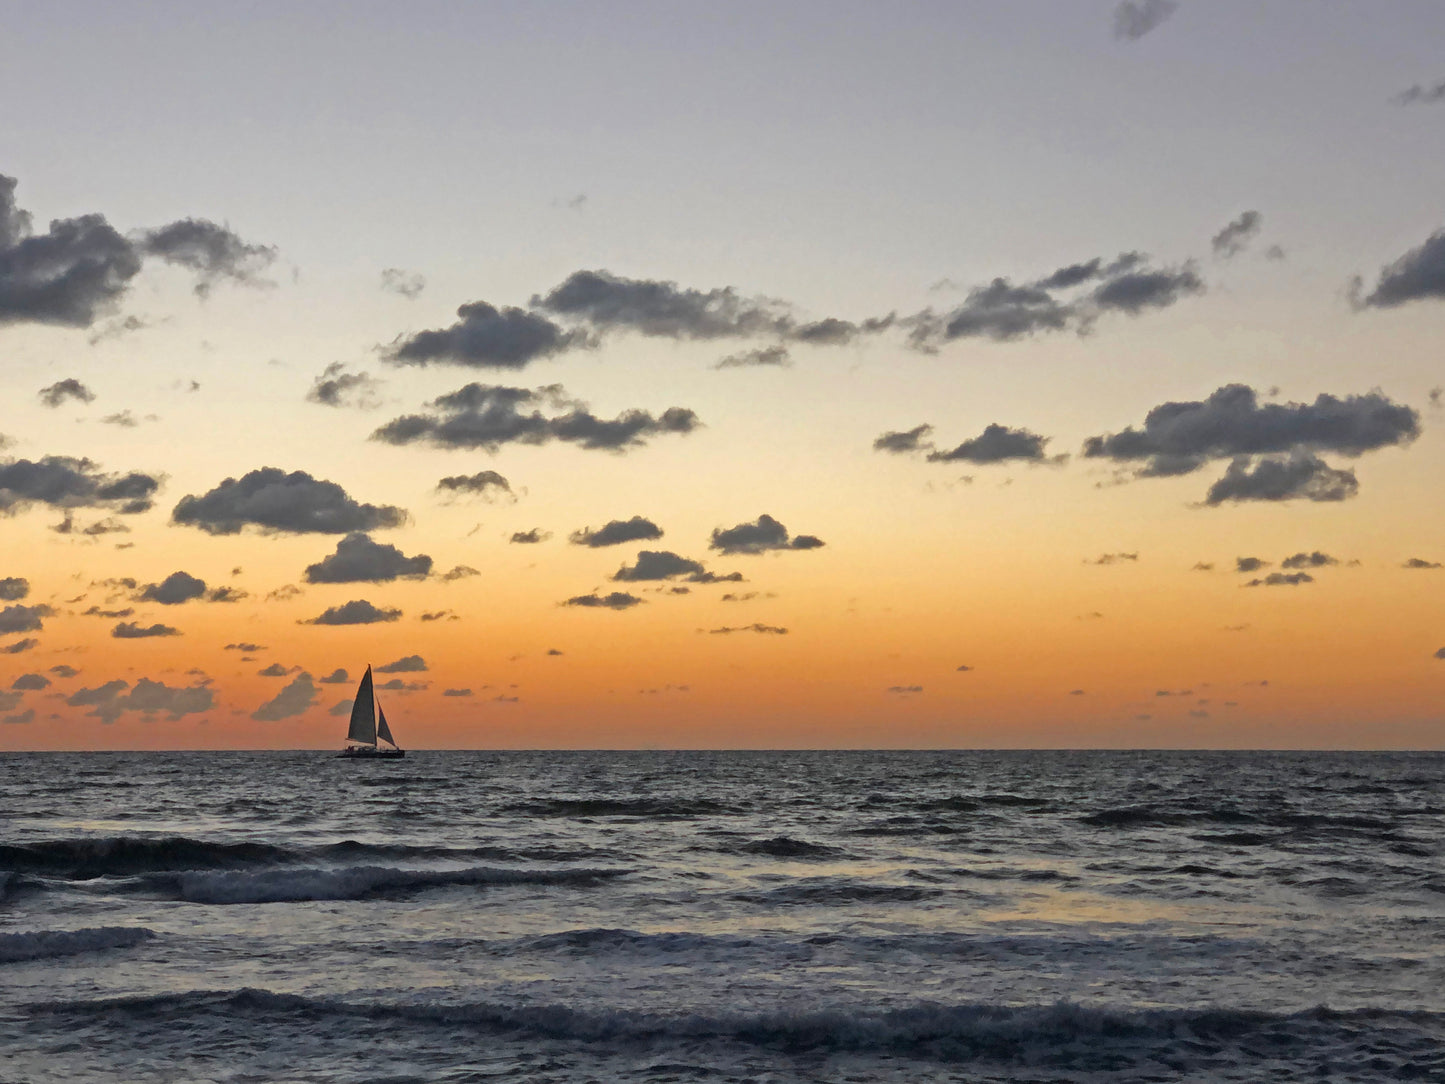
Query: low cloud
x=29, y=682
x=21, y=618
x=1250, y=564
x=1111, y=558
x=666, y=565
x=761, y=536
x=616, y=532
x=762, y=357
x=295, y=699
x=1135, y=18
x=175, y=589
x=757, y=627
x=1420, y=562
x=487, y=337
x=66, y=483
x=356, y=612
x=80, y=268
x=617, y=600
x=1418, y=275
x=996, y=444
x=64, y=671
x=1282, y=579
x=482, y=416
x=360, y=560
x=1299, y=475
x=19, y=646
x=336, y=387
x=532, y=537
x=14, y=588
x=407, y=284
x=149, y=698
x=456, y=692
x=336, y=677
x=276, y=502
x=904, y=690
x=1236, y=236
x=1421, y=94
x=246, y=647
x=487, y=484
x=275, y=670
x=1315, y=559
x=56, y=395
x=906, y=441
x=409, y=664
x=132, y=630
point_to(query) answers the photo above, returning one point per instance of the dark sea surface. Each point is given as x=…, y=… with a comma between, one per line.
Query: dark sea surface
x=841, y=916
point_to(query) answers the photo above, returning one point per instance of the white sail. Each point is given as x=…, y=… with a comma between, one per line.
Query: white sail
x=382, y=730
x=363, y=715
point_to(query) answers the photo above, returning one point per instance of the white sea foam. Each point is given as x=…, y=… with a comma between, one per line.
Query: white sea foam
x=358, y=882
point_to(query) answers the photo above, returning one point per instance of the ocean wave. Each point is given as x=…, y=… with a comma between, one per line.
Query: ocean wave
x=351, y=883
x=88, y=858
x=831, y=890
x=656, y=808
x=787, y=847
x=44, y=944
x=1062, y=1036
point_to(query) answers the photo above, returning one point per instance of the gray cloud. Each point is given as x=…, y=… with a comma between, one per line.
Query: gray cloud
x=213, y=252
x=905, y=442
x=1440, y=654
x=27, y=682
x=19, y=646
x=531, y=537
x=486, y=337
x=1180, y=437
x=408, y=664
x=1416, y=276
x=148, y=697
x=456, y=692
x=276, y=502
x=360, y=560
x=1420, y=562
x=336, y=677
x=760, y=536
x=408, y=284
x=80, y=268
x=996, y=444
x=132, y=630
x=20, y=717
x=487, y=484
x=295, y=699
x=1236, y=235
x=14, y=588
x=757, y=627
x=64, y=671
x=663, y=309
x=617, y=600
x=247, y=647
x=657, y=565
x=176, y=588
x=341, y=707
x=275, y=670
x=55, y=395
x=1282, y=478
x=488, y=416
x=1421, y=95
x=64, y=482
x=18, y=618
x=1315, y=559
x=617, y=531
x=356, y=612
x=459, y=572
x=1282, y=579
x=1249, y=564
x=1136, y=291
x=763, y=356
x=335, y=387
x=904, y=690
x=1135, y=18
x=396, y=685
x=1111, y=558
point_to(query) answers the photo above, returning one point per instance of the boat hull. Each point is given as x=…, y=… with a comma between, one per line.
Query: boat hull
x=367, y=753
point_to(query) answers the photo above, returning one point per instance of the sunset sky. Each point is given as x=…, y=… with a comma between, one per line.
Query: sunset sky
x=747, y=375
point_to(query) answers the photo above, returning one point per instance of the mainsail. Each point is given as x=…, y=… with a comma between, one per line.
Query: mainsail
x=363, y=715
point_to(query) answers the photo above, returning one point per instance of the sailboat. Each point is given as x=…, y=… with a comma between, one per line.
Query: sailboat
x=368, y=727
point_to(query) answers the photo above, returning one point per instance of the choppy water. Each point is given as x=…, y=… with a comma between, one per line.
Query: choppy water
x=722, y=917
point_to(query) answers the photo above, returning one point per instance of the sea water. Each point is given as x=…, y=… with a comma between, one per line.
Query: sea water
x=830, y=916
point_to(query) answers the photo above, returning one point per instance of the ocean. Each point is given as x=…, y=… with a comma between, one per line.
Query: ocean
x=729, y=916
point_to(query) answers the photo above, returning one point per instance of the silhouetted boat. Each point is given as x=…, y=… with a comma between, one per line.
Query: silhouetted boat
x=368, y=727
